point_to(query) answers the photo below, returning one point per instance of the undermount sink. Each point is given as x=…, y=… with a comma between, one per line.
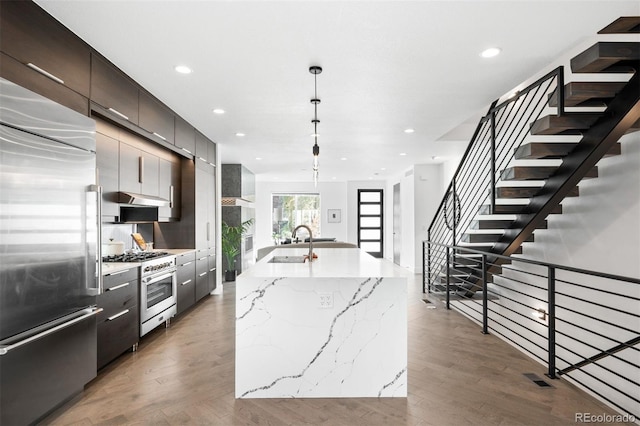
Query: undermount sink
x=287, y=259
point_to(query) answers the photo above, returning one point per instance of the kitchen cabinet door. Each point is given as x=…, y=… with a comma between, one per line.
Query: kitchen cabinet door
x=113, y=89
x=150, y=173
x=118, y=323
x=186, y=281
x=202, y=147
x=211, y=281
x=156, y=118
x=185, y=136
x=169, y=183
x=211, y=152
x=129, y=169
x=138, y=171
x=16, y=72
x=107, y=157
x=202, y=274
x=204, y=197
x=31, y=36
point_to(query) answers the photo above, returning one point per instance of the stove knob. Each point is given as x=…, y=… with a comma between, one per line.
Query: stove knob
x=147, y=269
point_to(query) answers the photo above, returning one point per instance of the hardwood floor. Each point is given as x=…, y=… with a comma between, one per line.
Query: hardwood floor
x=457, y=376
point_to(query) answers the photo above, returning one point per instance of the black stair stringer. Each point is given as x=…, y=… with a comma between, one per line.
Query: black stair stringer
x=622, y=113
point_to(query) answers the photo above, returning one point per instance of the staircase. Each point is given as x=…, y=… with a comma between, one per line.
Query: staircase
x=529, y=153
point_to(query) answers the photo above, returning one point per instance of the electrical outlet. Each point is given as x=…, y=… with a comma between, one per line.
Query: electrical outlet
x=325, y=300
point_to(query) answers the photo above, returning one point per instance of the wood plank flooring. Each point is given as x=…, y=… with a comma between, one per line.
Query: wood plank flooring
x=457, y=376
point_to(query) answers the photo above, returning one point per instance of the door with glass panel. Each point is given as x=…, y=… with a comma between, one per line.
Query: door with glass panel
x=370, y=220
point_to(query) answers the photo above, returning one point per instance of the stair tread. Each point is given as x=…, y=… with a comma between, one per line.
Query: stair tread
x=487, y=238
x=586, y=93
x=498, y=224
x=607, y=57
x=568, y=124
x=512, y=209
x=553, y=150
x=623, y=25
x=539, y=172
x=525, y=192
x=483, y=247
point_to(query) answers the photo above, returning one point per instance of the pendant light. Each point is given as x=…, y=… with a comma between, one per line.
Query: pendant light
x=315, y=70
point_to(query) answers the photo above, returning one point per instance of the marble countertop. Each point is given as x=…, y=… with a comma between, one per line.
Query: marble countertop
x=331, y=262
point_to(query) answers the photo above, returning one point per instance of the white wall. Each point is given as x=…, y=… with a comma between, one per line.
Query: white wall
x=407, y=219
x=421, y=191
x=600, y=229
x=332, y=196
x=428, y=192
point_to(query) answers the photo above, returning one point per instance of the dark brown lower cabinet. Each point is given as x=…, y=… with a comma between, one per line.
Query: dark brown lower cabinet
x=186, y=273
x=212, y=270
x=118, y=323
x=202, y=274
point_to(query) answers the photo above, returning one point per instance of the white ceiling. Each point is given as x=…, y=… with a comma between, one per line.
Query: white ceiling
x=388, y=66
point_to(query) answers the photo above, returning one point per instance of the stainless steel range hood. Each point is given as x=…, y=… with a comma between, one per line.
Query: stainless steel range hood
x=141, y=199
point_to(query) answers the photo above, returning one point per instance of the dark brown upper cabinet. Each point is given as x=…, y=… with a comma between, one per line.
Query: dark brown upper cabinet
x=112, y=89
x=205, y=149
x=211, y=153
x=169, y=188
x=16, y=72
x=55, y=62
x=107, y=161
x=202, y=147
x=156, y=118
x=185, y=136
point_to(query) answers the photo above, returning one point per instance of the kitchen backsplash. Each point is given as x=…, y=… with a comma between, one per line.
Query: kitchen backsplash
x=119, y=232
x=122, y=232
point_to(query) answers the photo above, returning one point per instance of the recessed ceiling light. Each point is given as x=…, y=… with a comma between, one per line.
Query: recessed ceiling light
x=409, y=130
x=240, y=134
x=258, y=158
x=434, y=157
x=383, y=168
x=218, y=111
x=491, y=52
x=403, y=154
x=183, y=69
x=333, y=178
x=344, y=158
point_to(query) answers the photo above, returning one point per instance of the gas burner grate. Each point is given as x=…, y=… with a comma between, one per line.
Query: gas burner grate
x=134, y=257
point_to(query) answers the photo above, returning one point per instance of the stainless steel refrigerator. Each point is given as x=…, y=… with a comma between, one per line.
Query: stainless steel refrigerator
x=49, y=256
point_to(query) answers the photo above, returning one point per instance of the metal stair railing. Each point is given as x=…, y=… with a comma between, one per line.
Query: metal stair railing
x=492, y=147
x=582, y=325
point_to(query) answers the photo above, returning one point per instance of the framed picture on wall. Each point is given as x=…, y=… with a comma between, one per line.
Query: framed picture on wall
x=334, y=216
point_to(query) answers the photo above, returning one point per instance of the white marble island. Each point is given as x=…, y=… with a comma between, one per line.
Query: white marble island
x=334, y=328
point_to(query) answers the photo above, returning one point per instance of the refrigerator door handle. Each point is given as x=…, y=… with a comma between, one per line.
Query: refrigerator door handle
x=89, y=312
x=98, y=190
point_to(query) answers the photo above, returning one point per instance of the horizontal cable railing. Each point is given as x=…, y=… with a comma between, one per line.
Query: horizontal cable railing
x=583, y=325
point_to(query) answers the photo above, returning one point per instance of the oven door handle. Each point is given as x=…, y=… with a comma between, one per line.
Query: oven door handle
x=151, y=280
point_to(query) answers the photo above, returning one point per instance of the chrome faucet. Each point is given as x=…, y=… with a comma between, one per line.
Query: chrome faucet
x=293, y=235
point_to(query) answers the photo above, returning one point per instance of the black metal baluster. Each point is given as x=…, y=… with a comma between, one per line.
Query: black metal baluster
x=551, y=318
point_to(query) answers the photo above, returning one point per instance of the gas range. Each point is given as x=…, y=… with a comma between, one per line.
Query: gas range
x=158, y=286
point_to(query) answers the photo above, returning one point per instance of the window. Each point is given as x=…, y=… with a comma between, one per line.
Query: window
x=291, y=210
